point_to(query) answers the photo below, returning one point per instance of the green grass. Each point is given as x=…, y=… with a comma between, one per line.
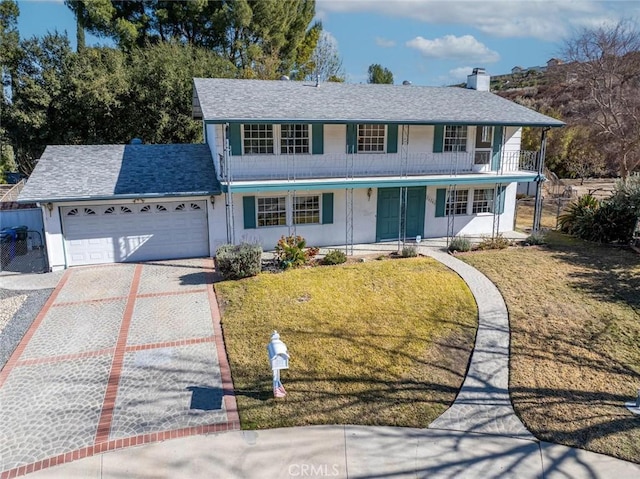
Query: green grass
x=379, y=343
x=574, y=309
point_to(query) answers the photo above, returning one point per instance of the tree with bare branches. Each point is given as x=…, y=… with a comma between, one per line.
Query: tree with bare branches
x=606, y=61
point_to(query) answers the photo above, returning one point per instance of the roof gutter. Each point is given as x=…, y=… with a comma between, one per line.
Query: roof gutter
x=559, y=124
x=120, y=197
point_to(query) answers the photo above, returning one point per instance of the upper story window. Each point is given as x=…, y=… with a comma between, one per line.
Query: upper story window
x=266, y=139
x=455, y=138
x=258, y=139
x=371, y=138
x=294, y=139
x=484, y=136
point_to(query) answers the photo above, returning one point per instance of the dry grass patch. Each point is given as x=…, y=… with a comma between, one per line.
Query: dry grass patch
x=381, y=343
x=574, y=310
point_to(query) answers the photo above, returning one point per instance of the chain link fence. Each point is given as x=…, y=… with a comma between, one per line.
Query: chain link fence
x=552, y=209
x=22, y=251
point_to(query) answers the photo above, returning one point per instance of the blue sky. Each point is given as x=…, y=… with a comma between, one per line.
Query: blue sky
x=430, y=42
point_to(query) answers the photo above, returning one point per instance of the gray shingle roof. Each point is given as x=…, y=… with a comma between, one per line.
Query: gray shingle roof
x=221, y=100
x=121, y=171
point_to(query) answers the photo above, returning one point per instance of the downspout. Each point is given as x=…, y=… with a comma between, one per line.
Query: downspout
x=537, y=212
x=227, y=176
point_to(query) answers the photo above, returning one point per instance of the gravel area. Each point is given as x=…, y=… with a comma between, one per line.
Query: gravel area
x=18, y=309
x=8, y=307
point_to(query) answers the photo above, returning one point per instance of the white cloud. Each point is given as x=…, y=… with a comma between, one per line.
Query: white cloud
x=543, y=19
x=460, y=73
x=384, y=43
x=450, y=47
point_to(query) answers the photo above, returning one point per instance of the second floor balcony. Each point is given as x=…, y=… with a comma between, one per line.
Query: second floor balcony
x=299, y=167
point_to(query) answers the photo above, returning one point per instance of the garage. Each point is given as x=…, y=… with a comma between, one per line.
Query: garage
x=141, y=231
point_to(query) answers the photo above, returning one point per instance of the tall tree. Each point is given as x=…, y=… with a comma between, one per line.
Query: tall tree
x=264, y=38
x=379, y=74
x=40, y=68
x=161, y=89
x=325, y=63
x=9, y=47
x=606, y=61
x=104, y=95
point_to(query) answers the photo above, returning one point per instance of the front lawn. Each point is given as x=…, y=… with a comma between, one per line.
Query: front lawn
x=574, y=310
x=379, y=343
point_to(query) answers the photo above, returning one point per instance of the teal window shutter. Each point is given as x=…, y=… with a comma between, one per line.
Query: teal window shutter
x=352, y=138
x=235, y=139
x=327, y=208
x=441, y=198
x=497, y=148
x=317, y=137
x=500, y=199
x=438, y=139
x=392, y=138
x=249, y=210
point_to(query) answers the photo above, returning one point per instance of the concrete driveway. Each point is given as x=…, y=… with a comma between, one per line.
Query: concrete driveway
x=120, y=355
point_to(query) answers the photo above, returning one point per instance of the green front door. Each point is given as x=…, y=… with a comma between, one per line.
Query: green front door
x=388, y=219
x=387, y=224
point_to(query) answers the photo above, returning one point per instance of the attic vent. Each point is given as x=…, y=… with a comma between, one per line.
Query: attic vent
x=406, y=82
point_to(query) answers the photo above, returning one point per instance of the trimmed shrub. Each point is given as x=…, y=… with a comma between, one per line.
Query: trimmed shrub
x=498, y=242
x=239, y=261
x=334, y=257
x=459, y=243
x=292, y=251
x=535, y=239
x=409, y=252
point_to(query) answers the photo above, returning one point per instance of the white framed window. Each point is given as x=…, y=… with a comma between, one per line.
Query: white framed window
x=455, y=138
x=306, y=210
x=294, y=139
x=486, y=134
x=371, y=138
x=483, y=200
x=257, y=139
x=272, y=211
x=457, y=203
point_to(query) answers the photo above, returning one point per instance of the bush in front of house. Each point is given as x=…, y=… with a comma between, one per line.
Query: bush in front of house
x=334, y=256
x=497, y=242
x=292, y=252
x=459, y=243
x=535, y=239
x=409, y=252
x=239, y=261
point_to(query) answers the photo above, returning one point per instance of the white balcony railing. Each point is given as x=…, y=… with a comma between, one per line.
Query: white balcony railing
x=297, y=167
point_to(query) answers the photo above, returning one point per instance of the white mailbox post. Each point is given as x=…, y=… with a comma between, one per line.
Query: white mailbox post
x=278, y=359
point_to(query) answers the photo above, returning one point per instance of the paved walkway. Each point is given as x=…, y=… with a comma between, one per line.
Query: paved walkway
x=478, y=437
x=483, y=403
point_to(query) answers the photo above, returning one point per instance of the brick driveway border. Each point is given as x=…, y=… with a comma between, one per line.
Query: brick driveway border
x=120, y=355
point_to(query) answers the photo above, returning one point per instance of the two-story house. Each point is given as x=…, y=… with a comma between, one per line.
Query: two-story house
x=336, y=163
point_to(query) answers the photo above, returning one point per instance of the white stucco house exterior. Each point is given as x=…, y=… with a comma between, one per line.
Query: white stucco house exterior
x=336, y=163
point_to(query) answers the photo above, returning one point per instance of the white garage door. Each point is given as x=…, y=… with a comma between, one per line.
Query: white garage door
x=135, y=232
